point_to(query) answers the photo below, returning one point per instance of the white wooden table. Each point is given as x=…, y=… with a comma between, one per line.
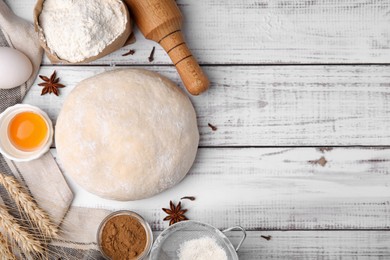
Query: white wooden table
x=300, y=93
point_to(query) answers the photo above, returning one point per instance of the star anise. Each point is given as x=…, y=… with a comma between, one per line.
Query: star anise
x=50, y=85
x=175, y=213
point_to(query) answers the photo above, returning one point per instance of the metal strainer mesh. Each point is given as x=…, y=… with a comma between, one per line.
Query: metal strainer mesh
x=167, y=245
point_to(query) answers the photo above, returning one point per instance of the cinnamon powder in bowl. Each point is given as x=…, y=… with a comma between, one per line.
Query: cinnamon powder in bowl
x=124, y=235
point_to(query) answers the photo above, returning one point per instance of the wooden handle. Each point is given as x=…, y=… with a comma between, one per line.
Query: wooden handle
x=189, y=70
x=161, y=21
x=156, y=18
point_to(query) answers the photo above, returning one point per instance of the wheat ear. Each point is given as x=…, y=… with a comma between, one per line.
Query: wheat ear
x=5, y=251
x=25, y=240
x=27, y=203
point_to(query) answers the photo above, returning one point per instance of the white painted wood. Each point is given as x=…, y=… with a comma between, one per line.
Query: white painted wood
x=277, y=188
x=274, y=188
x=309, y=245
x=273, y=105
x=257, y=32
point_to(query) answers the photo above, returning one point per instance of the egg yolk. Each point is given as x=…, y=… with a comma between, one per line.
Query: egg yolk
x=27, y=131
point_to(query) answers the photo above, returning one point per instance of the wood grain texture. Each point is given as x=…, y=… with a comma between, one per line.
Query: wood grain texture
x=274, y=188
x=336, y=201
x=162, y=22
x=272, y=32
x=273, y=105
x=308, y=245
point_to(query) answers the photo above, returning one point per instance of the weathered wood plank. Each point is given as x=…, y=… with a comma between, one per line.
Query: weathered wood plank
x=308, y=245
x=275, y=188
x=274, y=105
x=273, y=32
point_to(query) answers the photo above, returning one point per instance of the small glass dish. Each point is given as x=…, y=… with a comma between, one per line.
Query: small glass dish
x=145, y=225
x=6, y=146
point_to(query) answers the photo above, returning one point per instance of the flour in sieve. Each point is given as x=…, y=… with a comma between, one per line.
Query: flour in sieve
x=75, y=30
x=203, y=248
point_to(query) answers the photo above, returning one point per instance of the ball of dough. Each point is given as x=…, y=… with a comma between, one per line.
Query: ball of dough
x=127, y=134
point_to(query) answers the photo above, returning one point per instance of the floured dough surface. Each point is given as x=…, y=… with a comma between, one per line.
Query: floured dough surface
x=127, y=134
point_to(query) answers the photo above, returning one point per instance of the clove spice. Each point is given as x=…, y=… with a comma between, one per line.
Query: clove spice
x=268, y=238
x=191, y=198
x=151, y=56
x=214, y=128
x=130, y=52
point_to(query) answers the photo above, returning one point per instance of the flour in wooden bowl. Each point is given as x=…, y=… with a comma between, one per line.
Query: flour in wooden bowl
x=75, y=30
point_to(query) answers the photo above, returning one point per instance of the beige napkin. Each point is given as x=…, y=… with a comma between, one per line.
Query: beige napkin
x=47, y=185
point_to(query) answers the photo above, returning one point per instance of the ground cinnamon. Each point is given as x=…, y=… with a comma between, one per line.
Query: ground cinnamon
x=123, y=238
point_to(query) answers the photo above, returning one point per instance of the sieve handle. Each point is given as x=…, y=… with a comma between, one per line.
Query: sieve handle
x=237, y=228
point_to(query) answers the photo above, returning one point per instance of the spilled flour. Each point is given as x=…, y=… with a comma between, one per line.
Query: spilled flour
x=79, y=29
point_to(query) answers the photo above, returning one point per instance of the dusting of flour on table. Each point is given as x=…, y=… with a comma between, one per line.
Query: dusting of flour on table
x=204, y=248
x=78, y=29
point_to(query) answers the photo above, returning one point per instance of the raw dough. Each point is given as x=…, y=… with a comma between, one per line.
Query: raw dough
x=127, y=134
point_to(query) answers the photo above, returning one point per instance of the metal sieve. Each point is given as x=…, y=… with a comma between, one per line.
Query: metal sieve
x=167, y=244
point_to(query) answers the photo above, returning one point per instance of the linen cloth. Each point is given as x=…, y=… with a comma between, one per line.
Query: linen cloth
x=42, y=177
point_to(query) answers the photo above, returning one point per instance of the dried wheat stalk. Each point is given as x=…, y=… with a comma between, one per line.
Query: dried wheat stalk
x=5, y=251
x=26, y=203
x=25, y=240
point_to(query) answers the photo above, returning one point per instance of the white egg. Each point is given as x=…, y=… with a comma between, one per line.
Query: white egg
x=15, y=68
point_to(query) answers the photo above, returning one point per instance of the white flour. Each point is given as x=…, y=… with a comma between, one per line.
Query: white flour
x=78, y=29
x=204, y=248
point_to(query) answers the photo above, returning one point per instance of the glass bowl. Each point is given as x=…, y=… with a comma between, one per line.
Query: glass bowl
x=145, y=225
x=8, y=149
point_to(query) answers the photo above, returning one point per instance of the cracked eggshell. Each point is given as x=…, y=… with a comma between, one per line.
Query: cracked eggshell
x=15, y=68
